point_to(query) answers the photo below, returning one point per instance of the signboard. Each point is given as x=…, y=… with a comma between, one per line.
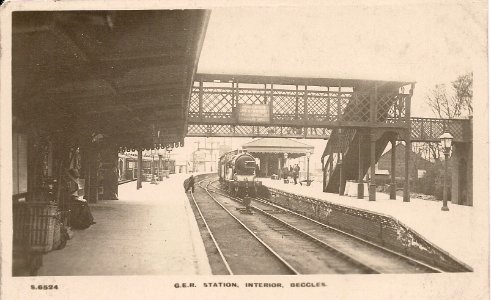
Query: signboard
x=253, y=113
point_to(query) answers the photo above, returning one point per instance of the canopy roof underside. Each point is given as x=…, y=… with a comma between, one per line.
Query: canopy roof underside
x=124, y=74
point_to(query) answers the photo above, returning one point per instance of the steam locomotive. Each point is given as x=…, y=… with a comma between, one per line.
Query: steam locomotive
x=237, y=171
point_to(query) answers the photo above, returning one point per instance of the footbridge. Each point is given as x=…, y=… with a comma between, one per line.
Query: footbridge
x=358, y=118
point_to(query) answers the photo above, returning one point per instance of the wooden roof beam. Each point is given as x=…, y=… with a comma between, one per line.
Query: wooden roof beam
x=148, y=94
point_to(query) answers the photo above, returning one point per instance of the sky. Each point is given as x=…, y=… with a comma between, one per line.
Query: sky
x=427, y=43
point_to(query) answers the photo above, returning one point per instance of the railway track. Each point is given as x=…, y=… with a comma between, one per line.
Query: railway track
x=364, y=256
x=240, y=250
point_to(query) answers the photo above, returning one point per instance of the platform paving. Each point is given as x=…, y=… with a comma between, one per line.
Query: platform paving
x=151, y=231
x=456, y=231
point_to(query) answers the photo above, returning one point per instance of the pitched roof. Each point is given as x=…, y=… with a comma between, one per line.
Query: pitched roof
x=400, y=152
x=277, y=145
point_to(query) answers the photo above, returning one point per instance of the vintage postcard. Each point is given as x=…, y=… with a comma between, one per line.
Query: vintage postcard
x=210, y=149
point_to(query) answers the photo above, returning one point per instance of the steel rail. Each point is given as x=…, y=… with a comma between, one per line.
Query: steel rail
x=291, y=268
x=399, y=255
x=336, y=251
x=211, y=234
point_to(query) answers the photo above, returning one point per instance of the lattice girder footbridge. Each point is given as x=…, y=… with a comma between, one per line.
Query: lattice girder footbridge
x=310, y=108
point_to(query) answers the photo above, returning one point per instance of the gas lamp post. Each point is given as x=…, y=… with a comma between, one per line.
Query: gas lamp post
x=446, y=142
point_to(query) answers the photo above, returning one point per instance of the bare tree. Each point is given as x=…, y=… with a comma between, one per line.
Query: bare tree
x=463, y=92
x=456, y=103
x=453, y=102
x=450, y=102
x=428, y=151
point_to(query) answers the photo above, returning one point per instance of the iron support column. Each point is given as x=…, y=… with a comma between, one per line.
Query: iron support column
x=331, y=165
x=324, y=167
x=109, y=157
x=93, y=181
x=373, y=187
x=360, y=168
x=200, y=99
x=266, y=166
x=406, y=168
x=408, y=145
x=341, y=175
x=139, y=170
x=308, y=170
x=393, y=170
x=279, y=168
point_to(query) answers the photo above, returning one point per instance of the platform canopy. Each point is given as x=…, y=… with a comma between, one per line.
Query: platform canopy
x=279, y=146
x=122, y=75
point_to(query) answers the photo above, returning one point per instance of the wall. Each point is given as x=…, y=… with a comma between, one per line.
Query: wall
x=461, y=169
x=415, y=162
x=383, y=230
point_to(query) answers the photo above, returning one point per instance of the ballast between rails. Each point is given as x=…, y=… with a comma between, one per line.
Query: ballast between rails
x=284, y=262
x=401, y=256
x=354, y=261
x=224, y=260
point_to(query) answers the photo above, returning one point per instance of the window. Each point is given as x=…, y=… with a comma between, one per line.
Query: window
x=19, y=163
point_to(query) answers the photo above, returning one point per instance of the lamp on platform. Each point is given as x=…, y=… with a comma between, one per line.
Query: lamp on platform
x=446, y=143
x=308, y=167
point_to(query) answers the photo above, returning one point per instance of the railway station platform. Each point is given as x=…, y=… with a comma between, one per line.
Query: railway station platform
x=454, y=231
x=151, y=231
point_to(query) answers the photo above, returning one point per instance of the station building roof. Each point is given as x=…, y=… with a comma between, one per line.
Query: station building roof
x=277, y=145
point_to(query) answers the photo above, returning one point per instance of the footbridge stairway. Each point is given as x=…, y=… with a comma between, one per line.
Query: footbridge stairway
x=350, y=158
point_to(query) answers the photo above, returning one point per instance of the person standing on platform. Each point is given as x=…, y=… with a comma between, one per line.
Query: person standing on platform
x=296, y=171
x=190, y=184
x=80, y=214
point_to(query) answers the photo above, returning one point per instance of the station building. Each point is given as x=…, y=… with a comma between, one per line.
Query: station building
x=274, y=154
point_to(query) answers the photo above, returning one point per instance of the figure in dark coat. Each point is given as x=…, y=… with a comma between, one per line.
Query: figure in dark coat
x=190, y=184
x=285, y=173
